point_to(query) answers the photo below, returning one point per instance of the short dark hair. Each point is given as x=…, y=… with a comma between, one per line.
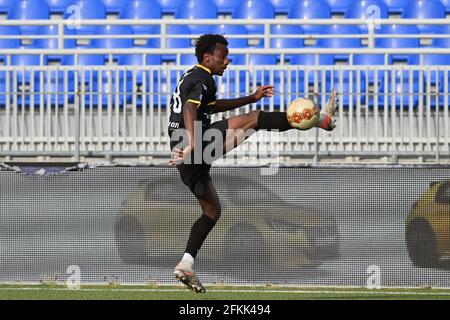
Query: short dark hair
x=207, y=43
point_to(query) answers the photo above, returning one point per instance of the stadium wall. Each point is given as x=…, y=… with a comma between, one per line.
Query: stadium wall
x=320, y=225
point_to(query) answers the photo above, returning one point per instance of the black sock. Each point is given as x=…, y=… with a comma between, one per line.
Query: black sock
x=273, y=121
x=199, y=232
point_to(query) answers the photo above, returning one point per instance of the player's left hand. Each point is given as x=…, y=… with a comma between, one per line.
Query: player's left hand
x=263, y=91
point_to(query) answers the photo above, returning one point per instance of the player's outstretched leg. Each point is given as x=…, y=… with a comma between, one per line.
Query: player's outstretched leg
x=327, y=121
x=185, y=273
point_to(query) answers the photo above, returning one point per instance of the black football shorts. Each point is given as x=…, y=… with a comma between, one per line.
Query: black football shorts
x=193, y=173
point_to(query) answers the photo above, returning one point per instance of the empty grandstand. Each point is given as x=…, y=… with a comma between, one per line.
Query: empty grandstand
x=90, y=79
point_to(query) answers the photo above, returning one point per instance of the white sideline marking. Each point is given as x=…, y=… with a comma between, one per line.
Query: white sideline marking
x=374, y=292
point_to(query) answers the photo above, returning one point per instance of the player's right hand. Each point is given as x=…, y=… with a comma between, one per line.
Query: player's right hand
x=177, y=155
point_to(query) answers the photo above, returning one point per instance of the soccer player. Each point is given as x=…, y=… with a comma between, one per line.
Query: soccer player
x=192, y=103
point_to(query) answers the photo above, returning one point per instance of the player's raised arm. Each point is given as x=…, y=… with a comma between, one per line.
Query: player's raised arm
x=223, y=105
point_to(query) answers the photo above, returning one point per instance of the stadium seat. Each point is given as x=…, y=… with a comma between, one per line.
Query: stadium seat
x=9, y=43
x=339, y=6
x=142, y=9
x=88, y=9
x=440, y=60
x=372, y=60
x=348, y=87
x=114, y=6
x=56, y=87
x=169, y=6
x=113, y=43
x=29, y=10
x=176, y=42
x=402, y=90
x=137, y=60
x=360, y=10
x=234, y=43
x=446, y=4
x=305, y=61
x=310, y=9
x=280, y=43
x=429, y=9
x=53, y=43
x=5, y=5
x=398, y=42
x=225, y=6
x=58, y=6
x=282, y=6
x=397, y=6
x=88, y=76
x=24, y=76
x=249, y=9
x=197, y=9
x=443, y=42
x=335, y=43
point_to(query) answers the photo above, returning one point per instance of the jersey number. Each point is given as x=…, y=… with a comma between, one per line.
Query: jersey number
x=176, y=96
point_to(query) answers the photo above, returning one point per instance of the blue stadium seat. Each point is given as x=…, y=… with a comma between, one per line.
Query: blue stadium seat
x=29, y=10
x=443, y=42
x=402, y=90
x=24, y=77
x=197, y=9
x=110, y=43
x=188, y=60
x=262, y=77
x=339, y=42
x=360, y=10
x=58, y=6
x=142, y=9
x=397, y=6
x=169, y=6
x=429, y=9
x=110, y=88
x=317, y=9
x=114, y=6
x=439, y=78
x=176, y=42
x=446, y=4
x=307, y=60
x=5, y=5
x=54, y=87
x=398, y=42
x=234, y=43
x=53, y=43
x=282, y=6
x=348, y=88
x=280, y=43
x=137, y=60
x=225, y=6
x=249, y=9
x=9, y=43
x=86, y=60
x=339, y=6
x=87, y=9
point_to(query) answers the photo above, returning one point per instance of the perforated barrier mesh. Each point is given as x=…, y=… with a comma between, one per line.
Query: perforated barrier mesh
x=324, y=226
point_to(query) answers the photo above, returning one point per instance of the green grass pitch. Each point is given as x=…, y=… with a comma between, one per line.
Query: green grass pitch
x=215, y=292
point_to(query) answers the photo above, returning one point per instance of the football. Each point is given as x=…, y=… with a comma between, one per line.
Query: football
x=303, y=114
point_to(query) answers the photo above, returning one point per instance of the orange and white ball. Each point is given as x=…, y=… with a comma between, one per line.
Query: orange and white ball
x=303, y=114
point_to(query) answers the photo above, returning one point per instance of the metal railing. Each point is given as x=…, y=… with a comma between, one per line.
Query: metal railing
x=54, y=111
x=104, y=111
x=372, y=26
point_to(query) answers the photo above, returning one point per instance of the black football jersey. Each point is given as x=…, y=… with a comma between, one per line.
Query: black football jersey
x=197, y=86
